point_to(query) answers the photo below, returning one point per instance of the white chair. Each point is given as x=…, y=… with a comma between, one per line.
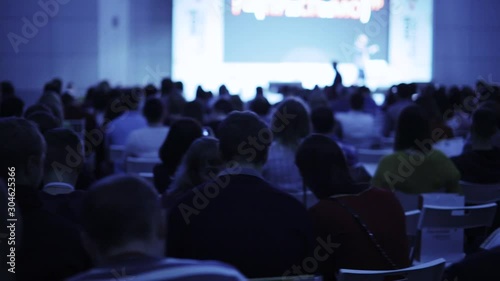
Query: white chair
x=450, y=147
x=408, y=201
x=480, y=193
x=308, y=199
x=412, y=218
x=136, y=165
x=431, y=271
x=290, y=278
x=116, y=153
x=442, y=229
x=147, y=176
x=372, y=155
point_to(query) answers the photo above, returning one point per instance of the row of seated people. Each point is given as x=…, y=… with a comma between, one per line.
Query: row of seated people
x=200, y=226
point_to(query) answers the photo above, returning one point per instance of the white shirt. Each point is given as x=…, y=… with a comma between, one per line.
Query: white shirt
x=145, y=142
x=56, y=188
x=358, y=127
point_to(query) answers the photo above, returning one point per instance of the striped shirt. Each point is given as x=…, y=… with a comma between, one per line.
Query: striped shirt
x=158, y=269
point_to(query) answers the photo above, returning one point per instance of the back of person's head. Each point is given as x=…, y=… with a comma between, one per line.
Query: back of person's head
x=404, y=91
x=260, y=105
x=51, y=87
x=323, y=120
x=7, y=89
x=259, y=92
x=493, y=106
x=132, y=99
x=37, y=108
x=53, y=101
x=236, y=101
x=291, y=122
x=45, y=121
x=153, y=111
x=200, y=164
x=57, y=84
x=322, y=165
x=484, y=123
x=357, y=101
x=223, y=91
x=67, y=99
x=167, y=86
x=12, y=106
x=193, y=109
x=183, y=132
x=317, y=99
x=150, y=91
x=122, y=210
x=63, y=144
x=179, y=86
x=412, y=127
x=175, y=104
x=23, y=148
x=244, y=138
x=223, y=106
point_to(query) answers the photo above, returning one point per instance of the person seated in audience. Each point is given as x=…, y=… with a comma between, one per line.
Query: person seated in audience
x=64, y=163
x=221, y=109
x=404, y=99
x=367, y=224
x=482, y=265
x=53, y=101
x=458, y=118
x=181, y=135
x=415, y=167
x=124, y=229
x=45, y=121
x=358, y=127
x=200, y=164
x=290, y=124
x=145, y=142
x=427, y=101
x=260, y=105
x=7, y=89
x=130, y=119
x=238, y=217
x=36, y=108
x=51, y=248
x=194, y=109
x=12, y=106
x=482, y=163
x=323, y=122
x=150, y=91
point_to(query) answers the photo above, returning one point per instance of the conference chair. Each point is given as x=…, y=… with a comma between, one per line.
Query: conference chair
x=412, y=218
x=136, y=165
x=442, y=229
x=372, y=155
x=480, y=193
x=430, y=271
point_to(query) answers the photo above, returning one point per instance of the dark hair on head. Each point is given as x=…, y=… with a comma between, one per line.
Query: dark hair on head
x=357, y=100
x=223, y=106
x=323, y=120
x=175, y=104
x=7, y=89
x=131, y=99
x=412, y=126
x=182, y=133
x=322, y=165
x=484, y=123
x=404, y=91
x=20, y=140
x=121, y=209
x=67, y=99
x=58, y=85
x=260, y=105
x=493, y=106
x=150, y=91
x=259, y=92
x=179, y=86
x=167, y=85
x=223, y=91
x=235, y=134
x=193, y=109
x=201, y=161
x=153, y=110
x=12, y=106
x=61, y=143
x=51, y=87
x=38, y=107
x=45, y=121
x=291, y=122
x=237, y=103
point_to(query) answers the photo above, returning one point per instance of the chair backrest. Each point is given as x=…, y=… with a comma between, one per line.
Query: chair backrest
x=408, y=201
x=457, y=217
x=147, y=176
x=430, y=271
x=442, y=228
x=450, y=147
x=372, y=155
x=116, y=153
x=412, y=219
x=480, y=193
x=141, y=165
x=290, y=278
